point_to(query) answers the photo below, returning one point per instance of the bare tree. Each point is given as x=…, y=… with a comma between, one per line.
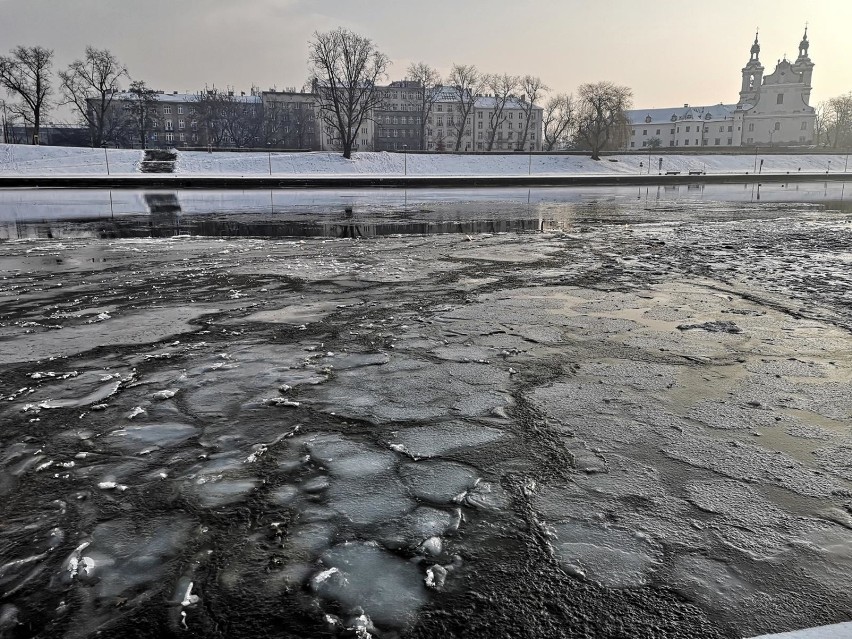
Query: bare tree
x=211, y=108
x=430, y=89
x=91, y=85
x=25, y=73
x=838, y=120
x=502, y=88
x=532, y=89
x=601, y=115
x=821, y=124
x=559, y=120
x=141, y=105
x=346, y=69
x=467, y=82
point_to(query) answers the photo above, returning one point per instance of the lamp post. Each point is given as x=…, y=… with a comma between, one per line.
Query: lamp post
x=828, y=170
x=106, y=158
x=405, y=157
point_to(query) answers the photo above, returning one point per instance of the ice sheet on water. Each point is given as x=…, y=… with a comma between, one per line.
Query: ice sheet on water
x=388, y=589
x=439, y=439
x=224, y=491
x=124, y=554
x=420, y=524
x=439, y=482
x=145, y=437
x=613, y=557
x=368, y=500
x=348, y=459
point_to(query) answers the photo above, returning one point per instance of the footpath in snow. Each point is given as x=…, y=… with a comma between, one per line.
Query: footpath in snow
x=22, y=160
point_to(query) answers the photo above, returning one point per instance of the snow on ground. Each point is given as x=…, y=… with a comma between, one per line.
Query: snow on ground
x=46, y=160
x=22, y=159
x=838, y=631
x=383, y=163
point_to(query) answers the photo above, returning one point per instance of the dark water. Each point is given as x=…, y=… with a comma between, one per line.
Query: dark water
x=369, y=213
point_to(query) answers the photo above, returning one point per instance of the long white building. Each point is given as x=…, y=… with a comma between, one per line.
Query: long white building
x=772, y=110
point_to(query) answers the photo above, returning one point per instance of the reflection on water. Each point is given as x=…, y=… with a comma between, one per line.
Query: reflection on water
x=67, y=213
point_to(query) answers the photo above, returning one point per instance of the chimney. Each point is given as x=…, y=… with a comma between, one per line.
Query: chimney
x=685, y=106
x=174, y=92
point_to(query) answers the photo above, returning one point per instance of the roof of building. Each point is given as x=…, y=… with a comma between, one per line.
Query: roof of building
x=188, y=97
x=674, y=114
x=451, y=94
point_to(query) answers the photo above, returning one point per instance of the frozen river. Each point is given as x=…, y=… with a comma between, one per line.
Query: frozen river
x=551, y=413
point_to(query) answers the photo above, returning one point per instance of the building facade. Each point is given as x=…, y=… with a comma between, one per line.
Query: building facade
x=291, y=120
x=773, y=110
x=517, y=127
x=398, y=121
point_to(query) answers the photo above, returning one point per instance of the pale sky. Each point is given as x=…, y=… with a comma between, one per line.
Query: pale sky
x=669, y=52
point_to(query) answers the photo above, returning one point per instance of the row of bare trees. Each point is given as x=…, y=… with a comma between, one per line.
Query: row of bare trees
x=833, y=125
x=348, y=68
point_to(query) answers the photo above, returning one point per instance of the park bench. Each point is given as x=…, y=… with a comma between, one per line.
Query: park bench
x=672, y=172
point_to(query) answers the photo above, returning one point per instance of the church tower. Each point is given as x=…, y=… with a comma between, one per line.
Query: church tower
x=752, y=76
x=803, y=65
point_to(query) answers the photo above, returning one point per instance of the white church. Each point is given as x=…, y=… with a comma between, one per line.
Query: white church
x=773, y=110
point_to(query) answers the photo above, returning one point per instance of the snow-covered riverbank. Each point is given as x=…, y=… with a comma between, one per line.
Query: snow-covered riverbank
x=68, y=161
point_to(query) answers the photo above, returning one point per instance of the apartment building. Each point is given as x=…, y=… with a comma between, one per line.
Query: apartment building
x=398, y=121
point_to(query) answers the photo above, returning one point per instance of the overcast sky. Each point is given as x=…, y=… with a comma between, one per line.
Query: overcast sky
x=669, y=52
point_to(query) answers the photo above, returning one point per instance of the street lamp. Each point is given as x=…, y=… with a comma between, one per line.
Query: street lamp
x=405, y=157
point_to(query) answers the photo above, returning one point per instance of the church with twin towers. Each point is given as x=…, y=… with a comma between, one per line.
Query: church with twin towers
x=772, y=110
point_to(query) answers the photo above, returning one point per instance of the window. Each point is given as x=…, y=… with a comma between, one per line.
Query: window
x=750, y=141
x=777, y=126
x=167, y=109
x=170, y=137
x=658, y=132
x=751, y=127
x=440, y=121
x=686, y=142
x=717, y=141
x=644, y=143
x=180, y=110
x=780, y=99
x=730, y=129
x=801, y=138
x=479, y=145
x=182, y=137
x=804, y=126
x=730, y=141
x=193, y=125
x=480, y=135
x=440, y=108
x=687, y=129
x=510, y=135
x=479, y=125
x=181, y=124
x=721, y=129
x=632, y=145
x=632, y=131
x=154, y=136
x=644, y=131
x=673, y=131
x=671, y=143
x=169, y=126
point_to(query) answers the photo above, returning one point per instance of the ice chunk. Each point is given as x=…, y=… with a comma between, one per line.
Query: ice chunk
x=613, y=557
x=438, y=481
x=432, y=441
x=388, y=589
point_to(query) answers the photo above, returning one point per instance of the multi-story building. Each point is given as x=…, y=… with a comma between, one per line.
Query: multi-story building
x=772, y=110
x=517, y=128
x=177, y=120
x=398, y=121
x=291, y=119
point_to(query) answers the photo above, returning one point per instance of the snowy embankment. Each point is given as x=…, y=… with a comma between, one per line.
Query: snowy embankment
x=72, y=161
x=22, y=159
x=396, y=164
